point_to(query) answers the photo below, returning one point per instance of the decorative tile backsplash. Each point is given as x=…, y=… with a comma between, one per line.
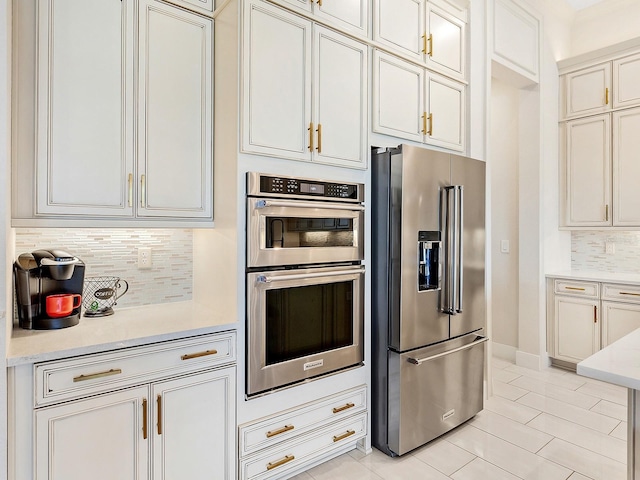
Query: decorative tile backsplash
x=114, y=252
x=588, y=251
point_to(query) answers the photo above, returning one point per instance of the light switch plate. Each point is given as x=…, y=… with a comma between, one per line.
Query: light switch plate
x=504, y=246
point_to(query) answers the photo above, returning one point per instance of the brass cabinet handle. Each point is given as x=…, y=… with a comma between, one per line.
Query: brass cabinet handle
x=310, y=137
x=144, y=418
x=319, y=130
x=91, y=376
x=606, y=213
x=595, y=314
x=424, y=43
x=273, y=433
x=189, y=356
x=319, y=3
x=606, y=96
x=142, y=190
x=159, y=402
x=630, y=293
x=344, y=407
x=574, y=288
x=430, y=118
x=424, y=123
x=430, y=52
x=130, y=184
x=286, y=459
x=348, y=433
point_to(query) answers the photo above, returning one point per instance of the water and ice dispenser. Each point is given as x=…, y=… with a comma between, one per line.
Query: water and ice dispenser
x=429, y=270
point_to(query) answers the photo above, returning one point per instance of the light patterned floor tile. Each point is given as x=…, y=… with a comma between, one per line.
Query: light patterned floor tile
x=343, y=467
x=444, y=456
x=610, y=409
x=496, y=362
x=507, y=390
x=584, y=437
x=480, y=469
x=513, y=410
x=302, y=476
x=550, y=375
x=511, y=431
x=572, y=397
x=578, y=476
x=583, y=461
x=399, y=468
x=612, y=393
x=620, y=431
x=504, y=376
x=507, y=456
x=578, y=415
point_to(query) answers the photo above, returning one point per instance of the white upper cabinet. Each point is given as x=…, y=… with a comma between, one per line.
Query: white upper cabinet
x=203, y=6
x=626, y=167
x=588, y=91
x=175, y=128
x=424, y=32
x=626, y=81
x=348, y=15
x=84, y=115
x=411, y=102
x=287, y=111
x=588, y=172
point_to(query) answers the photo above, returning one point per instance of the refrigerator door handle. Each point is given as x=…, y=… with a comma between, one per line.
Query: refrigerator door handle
x=460, y=249
x=448, y=223
x=420, y=361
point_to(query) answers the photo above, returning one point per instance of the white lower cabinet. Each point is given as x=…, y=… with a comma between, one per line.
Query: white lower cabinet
x=577, y=331
x=171, y=424
x=284, y=444
x=618, y=320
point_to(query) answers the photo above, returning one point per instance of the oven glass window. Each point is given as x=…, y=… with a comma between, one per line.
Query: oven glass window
x=293, y=232
x=306, y=320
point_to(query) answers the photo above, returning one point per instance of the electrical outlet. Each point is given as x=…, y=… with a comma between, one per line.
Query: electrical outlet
x=144, y=258
x=609, y=248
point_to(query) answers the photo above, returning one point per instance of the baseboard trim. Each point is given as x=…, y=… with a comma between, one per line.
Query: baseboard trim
x=505, y=352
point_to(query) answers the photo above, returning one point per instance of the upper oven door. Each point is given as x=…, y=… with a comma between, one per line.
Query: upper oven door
x=293, y=232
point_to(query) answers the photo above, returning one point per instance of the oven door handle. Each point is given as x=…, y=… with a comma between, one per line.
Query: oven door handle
x=332, y=206
x=301, y=276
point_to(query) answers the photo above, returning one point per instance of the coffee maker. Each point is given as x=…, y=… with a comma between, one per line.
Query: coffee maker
x=48, y=285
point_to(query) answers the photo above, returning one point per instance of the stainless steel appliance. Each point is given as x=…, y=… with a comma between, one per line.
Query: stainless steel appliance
x=305, y=281
x=428, y=314
x=48, y=287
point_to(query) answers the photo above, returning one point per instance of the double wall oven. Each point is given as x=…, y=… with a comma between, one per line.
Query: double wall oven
x=305, y=279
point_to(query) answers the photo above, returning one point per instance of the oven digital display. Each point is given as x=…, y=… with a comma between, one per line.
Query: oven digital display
x=314, y=188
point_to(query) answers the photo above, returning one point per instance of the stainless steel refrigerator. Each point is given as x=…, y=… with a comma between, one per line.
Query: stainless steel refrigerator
x=428, y=291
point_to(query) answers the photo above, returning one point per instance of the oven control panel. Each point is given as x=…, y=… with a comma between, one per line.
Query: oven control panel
x=270, y=185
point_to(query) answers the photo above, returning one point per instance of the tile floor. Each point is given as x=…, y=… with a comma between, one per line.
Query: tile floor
x=548, y=425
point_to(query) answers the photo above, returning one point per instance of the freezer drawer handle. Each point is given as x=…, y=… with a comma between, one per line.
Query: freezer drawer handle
x=282, y=203
x=420, y=361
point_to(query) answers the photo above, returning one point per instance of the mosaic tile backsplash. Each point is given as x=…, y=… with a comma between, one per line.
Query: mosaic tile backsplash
x=114, y=252
x=588, y=251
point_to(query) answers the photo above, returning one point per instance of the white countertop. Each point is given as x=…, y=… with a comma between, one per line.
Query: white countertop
x=618, y=363
x=127, y=327
x=594, y=276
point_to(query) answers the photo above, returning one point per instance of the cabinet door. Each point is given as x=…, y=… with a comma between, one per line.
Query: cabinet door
x=588, y=91
x=588, y=167
x=577, y=329
x=84, y=108
x=399, y=24
x=194, y=427
x=446, y=42
x=626, y=167
x=446, y=113
x=101, y=438
x=175, y=134
x=351, y=16
x=340, y=99
x=626, y=81
x=618, y=320
x=398, y=97
x=276, y=83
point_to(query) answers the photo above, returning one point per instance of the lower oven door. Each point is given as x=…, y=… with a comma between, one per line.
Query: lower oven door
x=302, y=324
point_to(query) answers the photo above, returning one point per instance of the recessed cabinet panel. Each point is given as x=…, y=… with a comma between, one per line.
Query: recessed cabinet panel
x=175, y=126
x=350, y=15
x=626, y=167
x=398, y=97
x=626, y=81
x=577, y=331
x=83, y=115
x=340, y=102
x=588, y=160
x=399, y=24
x=446, y=121
x=446, y=42
x=276, y=83
x=618, y=320
x=588, y=91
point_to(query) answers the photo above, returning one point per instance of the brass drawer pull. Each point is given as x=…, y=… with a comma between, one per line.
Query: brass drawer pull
x=575, y=288
x=91, y=376
x=144, y=418
x=189, y=356
x=286, y=459
x=630, y=293
x=348, y=433
x=159, y=401
x=344, y=407
x=273, y=433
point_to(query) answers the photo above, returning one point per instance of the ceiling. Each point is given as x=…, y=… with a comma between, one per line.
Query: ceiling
x=580, y=4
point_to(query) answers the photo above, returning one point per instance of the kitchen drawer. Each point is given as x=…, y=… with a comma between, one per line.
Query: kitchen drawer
x=574, y=287
x=275, y=462
x=76, y=377
x=621, y=293
x=276, y=429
